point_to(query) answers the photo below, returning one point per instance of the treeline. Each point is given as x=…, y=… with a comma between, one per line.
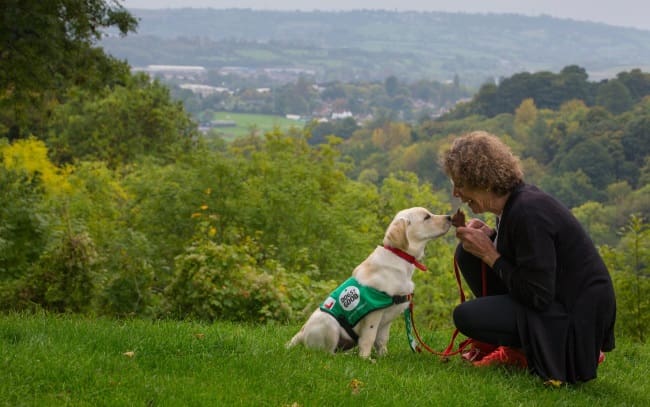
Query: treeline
x=113, y=205
x=550, y=91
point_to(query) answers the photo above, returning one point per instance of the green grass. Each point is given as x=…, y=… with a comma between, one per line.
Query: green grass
x=71, y=360
x=260, y=123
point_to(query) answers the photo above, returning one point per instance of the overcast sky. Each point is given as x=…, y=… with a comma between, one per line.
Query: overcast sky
x=628, y=13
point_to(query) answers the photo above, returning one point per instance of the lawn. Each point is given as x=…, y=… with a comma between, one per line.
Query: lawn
x=253, y=123
x=72, y=360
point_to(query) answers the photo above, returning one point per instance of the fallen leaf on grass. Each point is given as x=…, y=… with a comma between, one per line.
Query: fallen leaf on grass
x=199, y=336
x=129, y=354
x=553, y=383
x=356, y=385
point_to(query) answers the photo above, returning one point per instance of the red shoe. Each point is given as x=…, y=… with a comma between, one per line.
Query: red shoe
x=504, y=355
x=478, y=351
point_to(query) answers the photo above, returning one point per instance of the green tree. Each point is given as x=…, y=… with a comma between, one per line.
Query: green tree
x=571, y=188
x=630, y=267
x=168, y=198
x=46, y=46
x=487, y=100
x=525, y=117
x=593, y=159
x=540, y=146
x=574, y=83
x=295, y=98
x=596, y=218
x=22, y=223
x=636, y=139
x=614, y=96
x=63, y=280
x=637, y=82
x=27, y=181
x=119, y=126
x=124, y=269
x=391, y=85
x=644, y=176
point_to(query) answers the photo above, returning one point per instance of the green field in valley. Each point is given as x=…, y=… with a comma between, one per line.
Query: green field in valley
x=258, y=124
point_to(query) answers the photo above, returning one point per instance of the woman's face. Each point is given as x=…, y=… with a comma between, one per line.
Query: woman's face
x=478, y=200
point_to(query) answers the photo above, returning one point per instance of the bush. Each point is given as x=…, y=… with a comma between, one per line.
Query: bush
x=126, y=285
x=63, y=279
x=22, y=222
x=234, y=281
x=21, y=226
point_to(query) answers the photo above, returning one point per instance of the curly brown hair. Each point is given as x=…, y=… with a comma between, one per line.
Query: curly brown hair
x=481, y=160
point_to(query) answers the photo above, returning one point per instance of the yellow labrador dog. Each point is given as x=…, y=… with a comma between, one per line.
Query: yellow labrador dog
x=361, y=310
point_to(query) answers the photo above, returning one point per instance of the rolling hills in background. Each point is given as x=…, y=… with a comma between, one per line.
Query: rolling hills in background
x=371, y=44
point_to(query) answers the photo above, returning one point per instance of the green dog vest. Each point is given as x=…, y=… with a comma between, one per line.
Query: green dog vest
x=351, y=301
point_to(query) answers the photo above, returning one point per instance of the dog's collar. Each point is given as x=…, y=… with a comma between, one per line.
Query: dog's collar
x=406, y=256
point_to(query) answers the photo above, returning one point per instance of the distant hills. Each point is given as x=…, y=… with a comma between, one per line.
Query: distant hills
x=372, y=44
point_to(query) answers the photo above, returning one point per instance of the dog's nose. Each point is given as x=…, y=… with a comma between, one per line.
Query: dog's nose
x=449, y=218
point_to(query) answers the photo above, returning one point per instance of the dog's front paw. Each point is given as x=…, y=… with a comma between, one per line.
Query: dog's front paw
x=382, y=351
x=364, y=353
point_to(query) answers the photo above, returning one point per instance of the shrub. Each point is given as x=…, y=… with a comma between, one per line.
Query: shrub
x=239, y=280
x=126, y=282
x=63, y=279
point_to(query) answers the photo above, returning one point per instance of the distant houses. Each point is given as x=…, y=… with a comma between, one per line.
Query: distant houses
x=341, y=115
x=186, y=72
x=194, y=79
x=204, y=90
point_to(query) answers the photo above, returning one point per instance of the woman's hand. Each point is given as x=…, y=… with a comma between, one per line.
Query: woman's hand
x=480, y=225
x=475, y=238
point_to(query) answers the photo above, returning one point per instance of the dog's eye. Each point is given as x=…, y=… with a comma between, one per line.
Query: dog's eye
x=427, y=217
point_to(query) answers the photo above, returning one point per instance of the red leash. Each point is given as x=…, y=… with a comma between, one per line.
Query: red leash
x=449, y=350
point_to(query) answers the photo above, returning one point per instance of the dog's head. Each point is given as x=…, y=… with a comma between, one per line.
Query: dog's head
x=412, y=228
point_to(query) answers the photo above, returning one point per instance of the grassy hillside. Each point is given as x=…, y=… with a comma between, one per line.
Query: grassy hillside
x=70, y=360
x=248, y=123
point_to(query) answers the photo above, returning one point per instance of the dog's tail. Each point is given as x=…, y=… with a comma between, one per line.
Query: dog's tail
x=297, y=338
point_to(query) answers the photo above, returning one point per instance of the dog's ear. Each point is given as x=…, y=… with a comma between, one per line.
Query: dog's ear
x=396, y=234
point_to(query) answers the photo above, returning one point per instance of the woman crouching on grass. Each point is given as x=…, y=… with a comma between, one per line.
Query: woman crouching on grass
x=549, y=303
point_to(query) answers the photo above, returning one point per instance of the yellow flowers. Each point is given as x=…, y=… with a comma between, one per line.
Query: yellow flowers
x=203, y=207
x=31, y=155
x=212, y=231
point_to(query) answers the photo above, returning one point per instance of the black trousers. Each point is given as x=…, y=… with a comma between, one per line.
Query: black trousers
x=490, y=318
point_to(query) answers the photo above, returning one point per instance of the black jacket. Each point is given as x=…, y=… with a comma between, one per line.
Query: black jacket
x=553, y=270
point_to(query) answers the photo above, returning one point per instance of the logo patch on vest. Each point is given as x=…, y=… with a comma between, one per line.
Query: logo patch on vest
x=351, y=301
x=350, y=298
x=329, y=303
